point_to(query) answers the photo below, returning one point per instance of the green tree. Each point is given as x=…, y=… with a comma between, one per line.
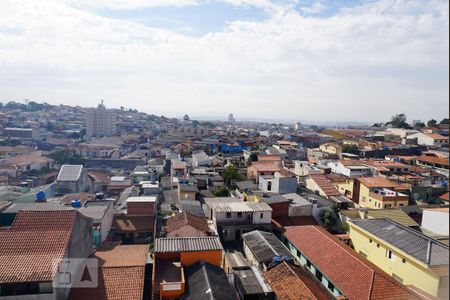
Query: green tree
x=432, y=123
x=230, y=173
x=419, y=125
x=350, y=148
x=330, y=218
x=67, y=157
x=399, y=121
x=443, y=122
x=221, y=191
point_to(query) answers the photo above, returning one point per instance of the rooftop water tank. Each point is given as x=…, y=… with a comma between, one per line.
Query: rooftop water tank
x=40, y=196
x=76, y=203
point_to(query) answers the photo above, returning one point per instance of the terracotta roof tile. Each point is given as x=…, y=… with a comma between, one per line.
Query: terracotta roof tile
x=35, y=239
x=121, y=273
x=291, y=282
x=186, y=218
x=353, y=275
x=325, y=184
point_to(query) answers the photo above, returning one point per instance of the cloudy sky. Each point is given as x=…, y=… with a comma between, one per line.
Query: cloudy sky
x=349, y=60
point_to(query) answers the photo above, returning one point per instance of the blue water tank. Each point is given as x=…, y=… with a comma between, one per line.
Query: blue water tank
x=76, y=203
x=40, y=196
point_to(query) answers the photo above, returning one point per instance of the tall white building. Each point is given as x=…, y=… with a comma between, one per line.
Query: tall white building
x=100, y=122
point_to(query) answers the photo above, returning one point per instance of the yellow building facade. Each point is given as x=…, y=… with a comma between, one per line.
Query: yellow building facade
x=402, y=266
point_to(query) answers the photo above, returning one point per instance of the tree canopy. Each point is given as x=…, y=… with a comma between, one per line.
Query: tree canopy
x=432, y=123
x=330, y=218
x=399, y=121
x=230, y=173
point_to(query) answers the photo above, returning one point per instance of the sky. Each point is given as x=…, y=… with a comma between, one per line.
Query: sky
x=320, y=60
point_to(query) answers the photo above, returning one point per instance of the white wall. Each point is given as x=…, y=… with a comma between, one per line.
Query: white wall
x=436, y=221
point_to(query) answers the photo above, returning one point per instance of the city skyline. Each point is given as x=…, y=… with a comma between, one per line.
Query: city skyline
x=259, y=59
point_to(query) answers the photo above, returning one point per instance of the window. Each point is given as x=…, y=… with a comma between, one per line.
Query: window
x=299, y=254
x=308, y=263
x=404, y=260
x=378, y=245
x=390, y=255
x=261, y=215
x=239, y=215
x=228, y=215
x=370, y=241
x=330, y=286
x=318, y=275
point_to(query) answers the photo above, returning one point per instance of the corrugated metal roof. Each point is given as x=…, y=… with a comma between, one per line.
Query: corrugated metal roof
x=241, y=207
x=69, y=173
x=406, y=239
x=187, y=244
x=264, y=245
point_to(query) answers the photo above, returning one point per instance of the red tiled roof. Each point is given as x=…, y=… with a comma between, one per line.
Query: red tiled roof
x=186, y=218
x=377, y=182
x=268, y=158
x=353, y=275
x=265, y=167
x=325, y=185
x=291, y=282
x=35, y=239
x=121, y=273
x=433, y=160
x=444, y=196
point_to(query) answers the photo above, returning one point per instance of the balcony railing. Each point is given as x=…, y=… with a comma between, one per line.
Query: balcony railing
x=172, y=286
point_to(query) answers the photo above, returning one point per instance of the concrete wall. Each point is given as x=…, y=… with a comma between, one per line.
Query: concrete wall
x=436, y=221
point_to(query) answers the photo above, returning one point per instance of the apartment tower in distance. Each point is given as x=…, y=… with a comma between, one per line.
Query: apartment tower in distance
x=100, y=122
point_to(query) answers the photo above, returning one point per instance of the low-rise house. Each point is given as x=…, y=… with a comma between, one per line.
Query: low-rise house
x=435, y=163
x=394, y=214
x=33, y=244
x=340, y=270
x=187, y=192
x=331, y=148
x=407, y=255
x=257, y=169
x=117, y=184
x=430, y=139
x=98, y=151
x=379, y=193
x=385, y=168
x=319, y=183
x=174, y=254
x=136, y=224
x=16, y=166
x=291, y=282
x=278, y=183
x=233, y=218
x=120, y=264
x=201, y=159
x=207, y=280
x=186, y=224
x=250, y=284
x=73, y=179
x=263, y=249
x=350, y=168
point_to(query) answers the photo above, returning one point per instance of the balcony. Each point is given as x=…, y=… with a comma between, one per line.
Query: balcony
x=169, y=279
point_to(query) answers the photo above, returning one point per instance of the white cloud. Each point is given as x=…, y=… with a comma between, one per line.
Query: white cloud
x=364, y=63
x=316, y=8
